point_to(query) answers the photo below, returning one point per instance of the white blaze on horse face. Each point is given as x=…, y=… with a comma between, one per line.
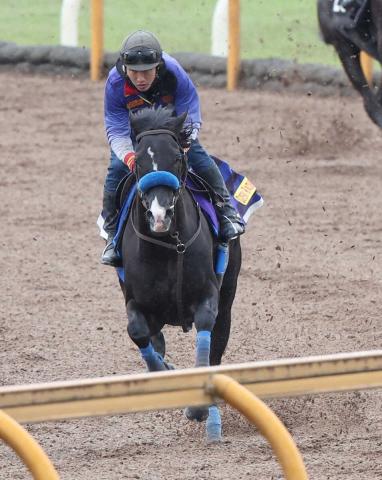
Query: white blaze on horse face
x=151, y=153
x=159, y=214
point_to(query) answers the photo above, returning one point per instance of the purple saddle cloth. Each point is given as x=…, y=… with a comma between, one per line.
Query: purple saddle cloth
x=205, y=204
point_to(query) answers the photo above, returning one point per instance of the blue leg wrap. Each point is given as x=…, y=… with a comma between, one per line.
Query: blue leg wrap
x=214, y=425
x=222, y=257
x=203, y=344
x=153, y=360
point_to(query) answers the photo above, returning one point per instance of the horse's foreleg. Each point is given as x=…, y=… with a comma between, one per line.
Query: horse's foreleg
x=205, y=317
x=221, y=331
x=139, y=333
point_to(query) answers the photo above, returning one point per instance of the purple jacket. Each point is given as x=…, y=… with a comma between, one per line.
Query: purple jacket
x=121, y=98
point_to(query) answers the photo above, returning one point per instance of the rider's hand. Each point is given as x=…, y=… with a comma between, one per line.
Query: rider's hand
x=129, y=161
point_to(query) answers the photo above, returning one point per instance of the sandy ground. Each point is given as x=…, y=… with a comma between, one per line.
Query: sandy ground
x=311, y=280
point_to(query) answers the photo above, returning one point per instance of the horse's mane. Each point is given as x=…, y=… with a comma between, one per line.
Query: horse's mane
x=161, y=118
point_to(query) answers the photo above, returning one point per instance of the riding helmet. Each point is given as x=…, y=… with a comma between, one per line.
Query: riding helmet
x=140, y=51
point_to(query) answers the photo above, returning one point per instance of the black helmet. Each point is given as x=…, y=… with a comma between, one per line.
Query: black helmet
x=140, y=51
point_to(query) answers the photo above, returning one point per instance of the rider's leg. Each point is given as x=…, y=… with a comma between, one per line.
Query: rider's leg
x=231, y=224
x=116, y=171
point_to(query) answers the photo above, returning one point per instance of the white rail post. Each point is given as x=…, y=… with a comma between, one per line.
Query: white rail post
x=226, y=37
x=219, y=30
x=69, y=22
x=233, y=60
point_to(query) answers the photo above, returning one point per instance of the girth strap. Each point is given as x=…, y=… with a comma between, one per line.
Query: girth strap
x=180, y=249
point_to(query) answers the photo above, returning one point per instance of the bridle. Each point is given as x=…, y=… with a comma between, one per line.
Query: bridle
x=182, y=171
x=163, y=178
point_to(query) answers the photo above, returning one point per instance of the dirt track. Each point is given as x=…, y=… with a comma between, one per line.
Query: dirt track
x=311, y=281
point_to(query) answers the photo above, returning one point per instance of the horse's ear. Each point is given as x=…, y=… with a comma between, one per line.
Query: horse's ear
x=180, y=121
x=136, y=123
x=176, y=123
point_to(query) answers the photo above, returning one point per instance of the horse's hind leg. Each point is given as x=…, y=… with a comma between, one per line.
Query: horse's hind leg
x=139, y=333
x=222, y=328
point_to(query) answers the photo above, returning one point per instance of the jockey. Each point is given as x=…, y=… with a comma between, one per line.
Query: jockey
x=144, y=76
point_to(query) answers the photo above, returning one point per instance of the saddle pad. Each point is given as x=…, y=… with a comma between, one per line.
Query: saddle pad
x=244, y=195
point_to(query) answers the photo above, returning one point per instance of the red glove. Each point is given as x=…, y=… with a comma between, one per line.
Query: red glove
x=129, y=161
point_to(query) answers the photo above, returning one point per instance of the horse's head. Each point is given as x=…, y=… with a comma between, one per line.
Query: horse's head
x=160, y=164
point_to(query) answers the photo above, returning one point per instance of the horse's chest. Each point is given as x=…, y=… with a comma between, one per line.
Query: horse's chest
x=158, y=281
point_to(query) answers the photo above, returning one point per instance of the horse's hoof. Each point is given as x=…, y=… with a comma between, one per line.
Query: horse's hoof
x=214, y=439
x=199, y=414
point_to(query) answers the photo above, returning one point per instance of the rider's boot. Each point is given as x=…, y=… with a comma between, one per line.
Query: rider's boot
x=110, y=215
x=231, y=224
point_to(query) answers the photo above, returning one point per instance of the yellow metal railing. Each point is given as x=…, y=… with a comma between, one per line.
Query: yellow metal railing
x=236, y=384
x=233, y=59
x=26, y=448
x=96, y=28
x=267, y=423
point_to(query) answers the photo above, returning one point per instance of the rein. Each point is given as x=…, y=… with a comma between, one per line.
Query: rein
x=180, y=249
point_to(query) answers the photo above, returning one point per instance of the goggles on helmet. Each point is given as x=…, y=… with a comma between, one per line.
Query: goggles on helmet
x=135, y=57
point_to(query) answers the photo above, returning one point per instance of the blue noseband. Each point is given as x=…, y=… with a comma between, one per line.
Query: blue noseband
x=155, y=179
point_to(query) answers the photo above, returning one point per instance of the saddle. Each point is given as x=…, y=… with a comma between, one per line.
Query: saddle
x=353, y=20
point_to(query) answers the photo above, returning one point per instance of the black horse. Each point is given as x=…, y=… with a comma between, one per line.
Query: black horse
x=353, y=29
x=169, y=255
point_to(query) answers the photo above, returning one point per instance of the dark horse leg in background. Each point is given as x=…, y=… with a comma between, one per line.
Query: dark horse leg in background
x=349, y=54
x=376, y=12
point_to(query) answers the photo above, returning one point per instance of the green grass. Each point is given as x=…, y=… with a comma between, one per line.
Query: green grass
x=269, y=28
